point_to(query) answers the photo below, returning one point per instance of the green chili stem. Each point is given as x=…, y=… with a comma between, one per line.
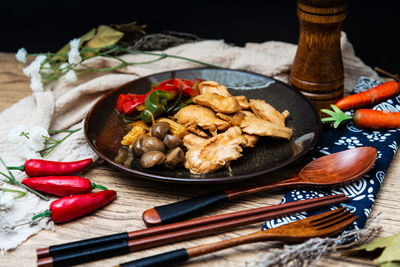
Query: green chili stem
x=20, y=168
x=45, y=213
x=98, y=186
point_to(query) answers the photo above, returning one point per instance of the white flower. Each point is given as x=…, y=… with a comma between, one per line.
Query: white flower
x=6, y=200
x=29, y=145
x=33, y=71
x=46, y=68
x=36, y=139
x=21, y=55
x=70, y=76
x=36, y=83
x=73, y=54
x=34, y=67
x=63, y=66
x=27, y=152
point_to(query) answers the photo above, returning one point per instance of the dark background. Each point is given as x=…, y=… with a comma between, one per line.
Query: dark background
x=42, y=26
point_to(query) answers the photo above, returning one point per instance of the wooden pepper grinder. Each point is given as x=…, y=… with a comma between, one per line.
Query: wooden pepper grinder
x=317, y=70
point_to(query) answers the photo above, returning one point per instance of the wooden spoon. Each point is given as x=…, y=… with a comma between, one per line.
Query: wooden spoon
x=327, y=171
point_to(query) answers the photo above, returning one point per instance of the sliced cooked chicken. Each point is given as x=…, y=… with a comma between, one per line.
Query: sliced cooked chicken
x=213, y=88
x=267, y=112
x=225, y=117
x=194, y=116
x=219, y=103
x=251, y=140
x=192, y=140
x=215, y=152
x=243, y=103
x=251, y=124
x=237, y=118
x=258, y=126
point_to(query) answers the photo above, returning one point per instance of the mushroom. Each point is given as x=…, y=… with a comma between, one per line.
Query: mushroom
x=137, y=146
x=150, y=143
x=174, y=157
x=122, y=155
x=172, y=141
x=151, y=158
x=160, y=129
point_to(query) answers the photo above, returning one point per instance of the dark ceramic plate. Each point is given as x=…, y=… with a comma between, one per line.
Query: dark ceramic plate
x=104, y=128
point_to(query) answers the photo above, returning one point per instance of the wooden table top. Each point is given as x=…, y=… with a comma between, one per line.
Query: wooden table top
x=136, y=195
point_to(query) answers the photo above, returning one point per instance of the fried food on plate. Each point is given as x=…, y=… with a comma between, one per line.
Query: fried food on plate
x=267, y=112
x=215, y=152
x=194, y=116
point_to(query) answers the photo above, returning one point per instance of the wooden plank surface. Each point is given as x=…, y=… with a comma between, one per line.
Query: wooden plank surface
x=136, y=195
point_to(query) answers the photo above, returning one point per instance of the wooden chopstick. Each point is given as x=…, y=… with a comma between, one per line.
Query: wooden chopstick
x=111, y=245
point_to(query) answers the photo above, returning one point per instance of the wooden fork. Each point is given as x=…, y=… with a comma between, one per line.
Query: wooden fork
x=321, y=225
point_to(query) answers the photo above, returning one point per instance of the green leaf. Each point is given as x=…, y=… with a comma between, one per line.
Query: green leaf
x=391, y=264
x=129, y=28
x=105, y=36
x=65, y=49
x=329, y=112
x=392, y=251
x=337, y=116
x=20, y=193
x=390, y=256
x=328, y=119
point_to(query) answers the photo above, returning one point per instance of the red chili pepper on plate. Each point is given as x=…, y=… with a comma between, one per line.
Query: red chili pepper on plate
x=186, y=85
x=68, y=208
x=127, y=103
x=40, y=167
x=163, y=83
x=61, y=185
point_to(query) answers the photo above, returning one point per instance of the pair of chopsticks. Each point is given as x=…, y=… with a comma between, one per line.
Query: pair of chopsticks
x=123, y=243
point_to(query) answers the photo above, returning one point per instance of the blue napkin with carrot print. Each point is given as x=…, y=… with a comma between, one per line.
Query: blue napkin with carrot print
x=362, y=193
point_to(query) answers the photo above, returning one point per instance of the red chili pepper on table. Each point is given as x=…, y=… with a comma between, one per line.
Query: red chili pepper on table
x=62, y=185
x=68, y=208
x=40, y=167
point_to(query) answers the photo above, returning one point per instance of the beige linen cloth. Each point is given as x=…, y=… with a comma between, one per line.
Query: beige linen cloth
x=64, y=105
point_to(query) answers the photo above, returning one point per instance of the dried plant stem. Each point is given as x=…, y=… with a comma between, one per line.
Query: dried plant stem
x=391, y=75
